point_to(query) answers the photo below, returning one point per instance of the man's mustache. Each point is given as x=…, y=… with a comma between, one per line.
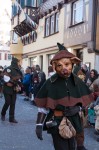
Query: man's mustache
x=64, y=71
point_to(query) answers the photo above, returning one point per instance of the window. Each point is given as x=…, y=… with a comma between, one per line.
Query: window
x=47, y=26
x=26, y=39
x=57, y=22
x=5, y=56
x=77, y=12
x=9, y=57
x=14, y=37
x=35, y=36
x=30, y=2
x=52, y=24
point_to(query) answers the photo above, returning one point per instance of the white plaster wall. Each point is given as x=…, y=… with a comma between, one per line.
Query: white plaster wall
x=24, y=63
x=89, y=57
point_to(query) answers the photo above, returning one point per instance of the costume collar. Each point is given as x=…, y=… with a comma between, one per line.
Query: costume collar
x=54, y=77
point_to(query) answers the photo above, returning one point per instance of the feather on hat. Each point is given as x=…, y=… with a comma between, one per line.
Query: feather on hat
x=64, y=53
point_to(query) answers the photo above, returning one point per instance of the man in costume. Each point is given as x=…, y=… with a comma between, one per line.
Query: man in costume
x=12, y=74
x=63, y=94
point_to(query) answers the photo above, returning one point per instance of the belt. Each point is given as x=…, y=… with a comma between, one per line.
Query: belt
x=58, y=113
x=69, y=111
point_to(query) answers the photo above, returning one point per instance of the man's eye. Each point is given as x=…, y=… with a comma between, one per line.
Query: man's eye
x=58, y=65
x=66, y=64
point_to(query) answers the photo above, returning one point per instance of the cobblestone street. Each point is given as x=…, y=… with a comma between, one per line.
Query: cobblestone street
x=22, y=136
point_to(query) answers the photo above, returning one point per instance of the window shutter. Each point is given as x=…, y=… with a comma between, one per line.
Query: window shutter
x=14, y=10
x=52, y=24
x=22, y=3
x=30, y=2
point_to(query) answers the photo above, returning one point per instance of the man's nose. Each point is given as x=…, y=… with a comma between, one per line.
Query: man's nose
x=65, y=70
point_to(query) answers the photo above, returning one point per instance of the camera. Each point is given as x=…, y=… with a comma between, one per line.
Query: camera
x=51, y=123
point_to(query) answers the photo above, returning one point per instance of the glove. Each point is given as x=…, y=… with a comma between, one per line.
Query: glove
x=39, y=124
x=39, y=129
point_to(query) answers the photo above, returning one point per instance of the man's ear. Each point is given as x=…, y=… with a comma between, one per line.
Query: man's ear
x=75, y=60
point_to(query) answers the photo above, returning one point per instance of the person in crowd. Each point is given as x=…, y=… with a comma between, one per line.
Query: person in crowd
x=26, y=83
x=11, y=77
x=38, y=78
x=1, y=81
x=85, y=70
x=76, y=68
x=41, y=75
x=81, y=71
x=63, y=94
x=35, y=86
x=93, y=76
x=96, y=105
x=50, y=71
x=90, y=82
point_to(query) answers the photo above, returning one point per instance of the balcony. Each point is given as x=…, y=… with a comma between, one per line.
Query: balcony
x=25, y=21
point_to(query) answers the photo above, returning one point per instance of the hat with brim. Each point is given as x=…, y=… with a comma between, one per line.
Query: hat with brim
x=64, y=53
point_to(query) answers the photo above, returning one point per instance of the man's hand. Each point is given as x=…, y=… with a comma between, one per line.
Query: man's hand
x=39, y=129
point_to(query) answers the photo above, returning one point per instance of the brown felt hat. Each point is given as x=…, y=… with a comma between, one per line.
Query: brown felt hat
x=64, y=53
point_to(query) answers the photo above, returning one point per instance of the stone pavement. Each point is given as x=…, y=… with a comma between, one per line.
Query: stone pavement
x=22, y=136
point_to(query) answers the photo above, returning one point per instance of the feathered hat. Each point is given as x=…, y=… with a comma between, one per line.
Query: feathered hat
x=64, y=53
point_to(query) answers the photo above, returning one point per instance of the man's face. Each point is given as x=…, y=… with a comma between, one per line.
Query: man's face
x=63, y=67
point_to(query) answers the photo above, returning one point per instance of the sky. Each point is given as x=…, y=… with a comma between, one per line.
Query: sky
x=5, y=4
x=5, y=25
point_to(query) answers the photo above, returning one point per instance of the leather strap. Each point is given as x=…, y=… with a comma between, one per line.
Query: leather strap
x=58, y=113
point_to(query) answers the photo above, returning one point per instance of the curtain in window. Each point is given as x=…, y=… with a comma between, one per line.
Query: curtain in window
x=47, y=26
x=52, y=24
x=57, y=22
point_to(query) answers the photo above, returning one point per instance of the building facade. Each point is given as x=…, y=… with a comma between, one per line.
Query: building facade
x=38, y=25
x=5, y=56
x=82, y=30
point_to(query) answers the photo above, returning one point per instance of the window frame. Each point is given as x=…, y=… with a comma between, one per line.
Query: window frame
x=54, y=25
x=9, y=57
x=73, y=20
x=57, y=19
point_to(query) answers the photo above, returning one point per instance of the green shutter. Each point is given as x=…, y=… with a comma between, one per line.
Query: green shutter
x=14, y=10
x=22, y=3
x=29, y=3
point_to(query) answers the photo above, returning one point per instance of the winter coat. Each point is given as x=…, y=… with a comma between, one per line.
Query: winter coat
x=27, y=79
